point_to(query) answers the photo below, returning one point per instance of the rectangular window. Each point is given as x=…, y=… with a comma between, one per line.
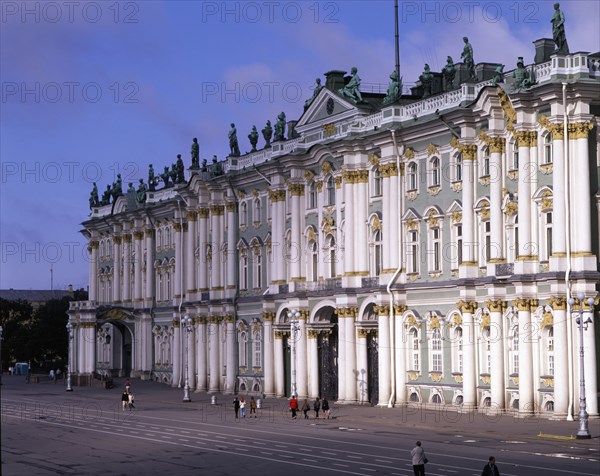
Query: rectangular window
x=437, y=362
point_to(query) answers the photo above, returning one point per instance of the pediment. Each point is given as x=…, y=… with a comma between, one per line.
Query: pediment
x=327, y=107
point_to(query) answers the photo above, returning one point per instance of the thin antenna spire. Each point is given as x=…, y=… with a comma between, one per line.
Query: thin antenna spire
x=397, y=40
x=51, y=277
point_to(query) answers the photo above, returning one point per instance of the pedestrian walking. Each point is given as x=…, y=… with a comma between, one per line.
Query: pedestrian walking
x=58, y=374
x=325, y=407
x=236, y=406
x=125, y=399
x=293, y=406
x=127, y=385
x=252, y=407
x=317, y=407
x=418, y=459
x=243, y=407
x=52, y=376
x=490, y=469
x=131, y=401
x=305, y=408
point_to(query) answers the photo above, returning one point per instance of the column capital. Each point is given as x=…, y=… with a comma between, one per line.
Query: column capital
x=117, y=239
x=138, y=235
x=127, y=238
x=177, y=227
x=277, y=195
x=203, y=212
x=279, y=334
x=267, y=316
x=558, y=303
x=467, y=306
x=363, y=333
x=191, y=215
x=343, y=312
x=400, y=309
x=312, y=334
x=338, y=181
x=495, y=305
x=496, y=144
x=468, y=151
x=296, y=189
x=525, y=304
x=389, y=169
x=355, y=176
x=229, y=319
x=580, y=130
x=217, y=210
x=557, y=130
x=230, y=207
x=382, y=310
x=201, y=320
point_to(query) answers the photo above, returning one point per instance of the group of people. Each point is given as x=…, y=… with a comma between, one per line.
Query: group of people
x=317, y=406
x=239, y=406
x=127, y=399
x=54, y=375
x=419, y=460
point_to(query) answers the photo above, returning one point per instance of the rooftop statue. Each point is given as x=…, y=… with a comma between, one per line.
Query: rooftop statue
x=449, y=73
x=394, y=90
x=280, y=128
x=204, y=166
x=352, y=89
x=117, y=188
x=498, y=75
x=253, y=137
x=130, y=189
x=426, y=79
x=165, y=177
x=151, y=178
x=522, y=77
x=233, y=142
x=140, y=195
x=106, y=196
x=267, y=133
x=180, y=169
x=467, y=56
x=316, y=92
x=94, y=202
x=216, y=167
x=195, y=154
x=173, y=174
x=558, y=30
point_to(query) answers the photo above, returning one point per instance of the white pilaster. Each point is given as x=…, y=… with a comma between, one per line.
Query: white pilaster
x=268, y=365
x=362, y=369
x=137, y=266
x=214, y=350
x=279, y=373
x=190, y=257
x=179, y=262
x=313, y=359
x=561, y=370
x=526, y=384
x=203, y=241
x=469, y=355
x=177, y=353
x=302, y=370
x=351, y=367
x=231, y=283
x=497, y=387
x=400, y=354
x=116, y=297
x=201, y=345
x=232, y=368
x=93, y=270
x=127, y=268
x=297, y=212
x=384, y=362
x=149, y=292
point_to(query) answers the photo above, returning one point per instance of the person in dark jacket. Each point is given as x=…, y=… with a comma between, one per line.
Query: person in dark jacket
x=236, y=406
x=418, y=459
x=490, y=469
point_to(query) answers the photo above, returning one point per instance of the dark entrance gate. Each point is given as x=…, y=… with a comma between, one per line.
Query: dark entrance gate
x=328, y=365
x=372, y=368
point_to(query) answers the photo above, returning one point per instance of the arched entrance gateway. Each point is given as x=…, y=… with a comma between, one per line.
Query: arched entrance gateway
x=325, y=329
x=114, y=340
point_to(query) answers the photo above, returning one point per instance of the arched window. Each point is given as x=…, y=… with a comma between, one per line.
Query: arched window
x=485, y=166
x=377, y=256
x=457, y=245
x=412, y=251
x=243, y=348
x=549, y=348
x=457, y=348
x=436, y=173
x=158, y=239
x=377, y=182
x=243, y=214
x=435, y=250
x=313, y=260
x=436, y=350
x=414, y=346
x=257, y=268
x=458, y=168
x=515, y=350
x=330, y=191
x=257, y=342
x=243, y=268
x=412, y=176
x=312, y=195
x=331, y=256
x=547, y=157
x=256, y=212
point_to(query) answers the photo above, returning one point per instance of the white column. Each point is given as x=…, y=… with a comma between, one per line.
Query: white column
x=393, y=217
x=89, y=336
x=349, y=227
x=361, y=249
x=179, y=263
x=400, y=353
x=176, y=358
x=526, y=384
x=561, y=370
x=525, y=250
x=190, y=257
x=351, y=367
x=342, y=375
x=590, y=365
x=213, y=336
x=268, y=365
x=362, y=370
x=93, y=271
x=127, y=268
x=497, y=354
x=216, y=218
x=469, y=355
x=580, y=189
x=231, y=246
x=278, y=274
x=116, y=297
x=558, y=199
x=279, y=373
x=469, y=155
x=301, y=371
x=149, y=293
x=497, y=227
x=191, y=356
x=341, y=253
x=137, y=266
x=203, y=214
x=383, y=330
x=297, y=192
x=313, y=359
x=201, y=345
x=232, y=368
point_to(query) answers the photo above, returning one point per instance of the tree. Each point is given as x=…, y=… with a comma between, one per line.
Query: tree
x=16, y=318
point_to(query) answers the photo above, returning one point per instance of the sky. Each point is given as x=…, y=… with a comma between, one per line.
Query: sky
x=92, y=89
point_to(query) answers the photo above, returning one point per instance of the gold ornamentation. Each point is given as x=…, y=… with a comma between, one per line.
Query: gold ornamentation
x=485, y=321
x=558, y=303
x=580, y=130
x=374, y=159
x=203, y=213
x=230, y=207
x=309, y=175
x=277, y=195
x=412, y=195
x=456, y=216
x=376, y=223
x=410, y=321
x=486, y=379
x=217, y=210
x=412, y=224
x=355, y=176
x=434, y=190
x=329, y=129
x=547, y=319
x=458, y=378
x=338, y=181
x=191, y=215
x=557, y=130
x=510, y=116
x=117, y=239
x=382, y=310
x=467, y=306
x=400, y=309
x=434, y=323
x=327, y=223
x=412, y=375
x=456, y=186
x=363, y=333
x=468, y=151
x=495, y=305
x=255, y=193
x=435, y=376
x=511, y=208
x=409, y=153
x=495, y=144
x=326, y=168
x=548, y=381
x=241, y=194
x=432, y=150
x=296, y=189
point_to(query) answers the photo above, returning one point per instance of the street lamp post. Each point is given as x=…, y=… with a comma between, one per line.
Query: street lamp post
x=583, y=432
x=186, y=323
x=69, y=351
x=293, y=316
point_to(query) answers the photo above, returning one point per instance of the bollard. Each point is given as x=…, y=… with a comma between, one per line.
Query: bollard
x=213, y=400
x=259, y=403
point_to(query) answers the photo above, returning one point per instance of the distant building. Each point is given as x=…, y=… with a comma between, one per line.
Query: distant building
x=36, y=297
x=424, y=243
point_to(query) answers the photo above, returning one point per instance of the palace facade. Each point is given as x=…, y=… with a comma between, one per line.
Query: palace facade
x=421, y=251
